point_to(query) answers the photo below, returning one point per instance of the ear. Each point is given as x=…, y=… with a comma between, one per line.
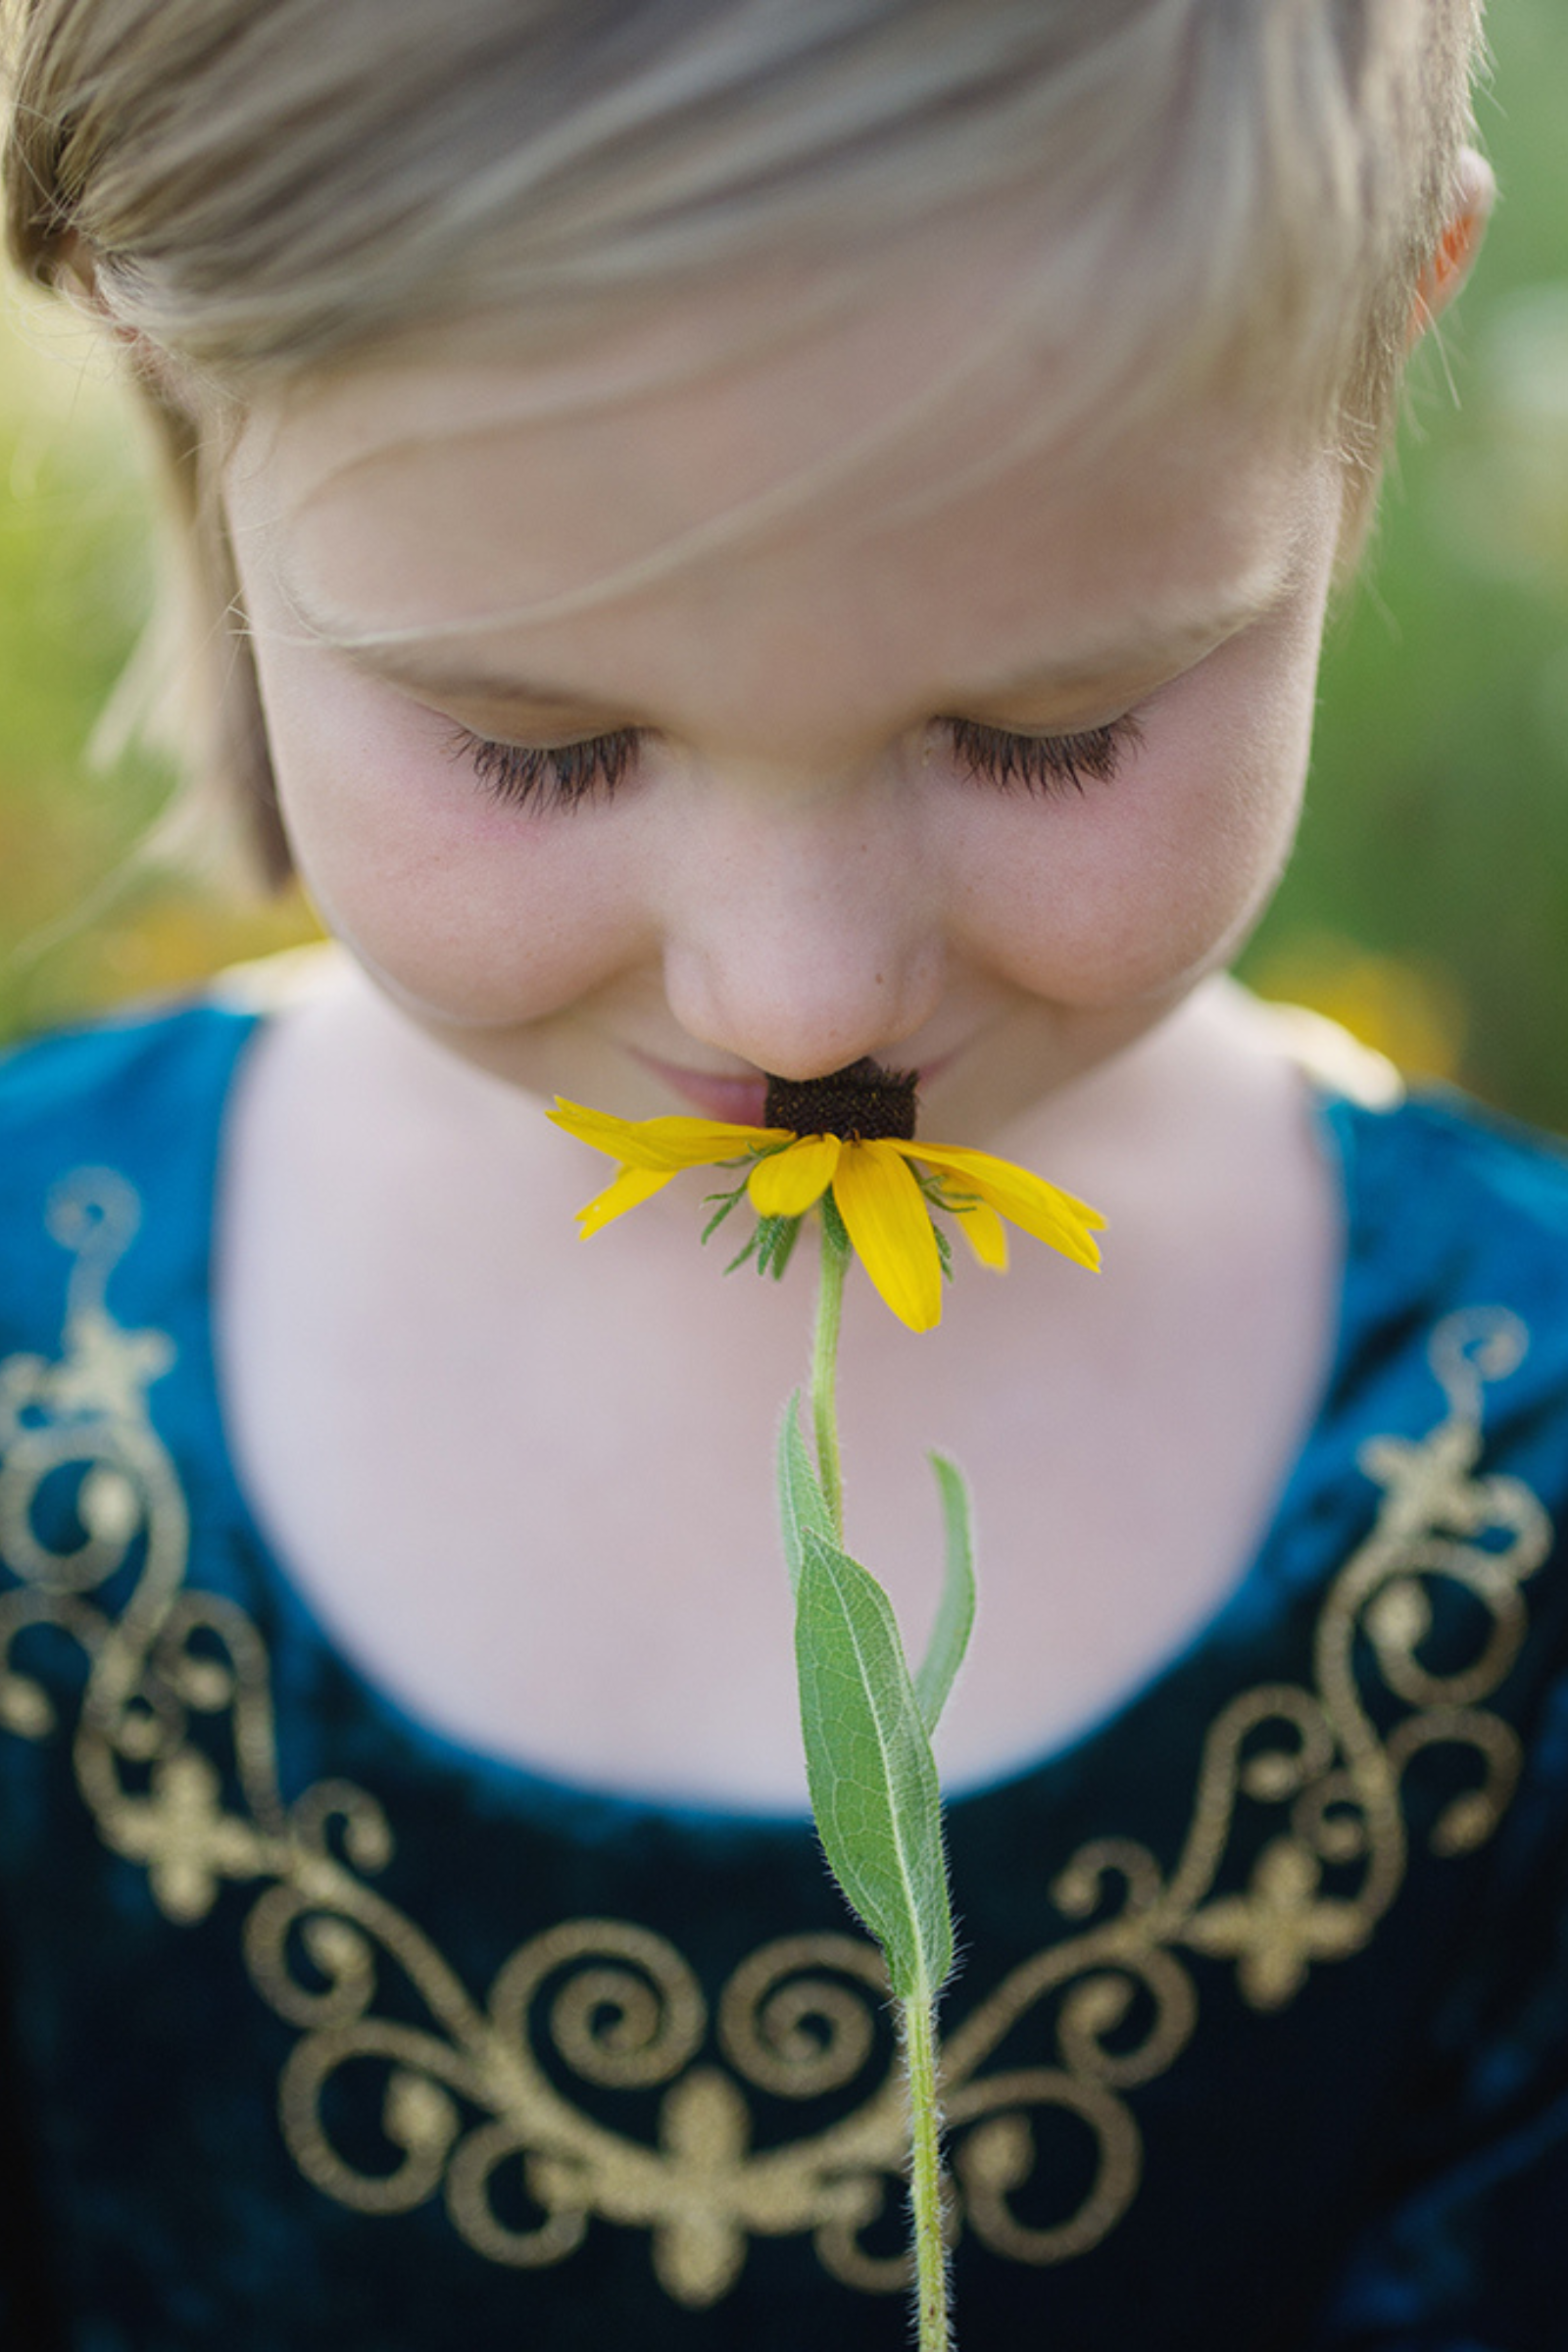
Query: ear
x=1460, y=242
x=75, y=278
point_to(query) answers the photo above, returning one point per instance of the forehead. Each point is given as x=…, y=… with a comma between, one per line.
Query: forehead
x=867, y=471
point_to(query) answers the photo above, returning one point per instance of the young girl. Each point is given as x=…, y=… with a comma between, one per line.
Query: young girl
x=728, y=537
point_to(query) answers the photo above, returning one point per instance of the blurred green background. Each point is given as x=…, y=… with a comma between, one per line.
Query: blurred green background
x=1428, y=903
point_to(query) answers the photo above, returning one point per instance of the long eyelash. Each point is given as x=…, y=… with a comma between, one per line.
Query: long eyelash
x=524, y=776
x=566, y=777
x=1043, y=763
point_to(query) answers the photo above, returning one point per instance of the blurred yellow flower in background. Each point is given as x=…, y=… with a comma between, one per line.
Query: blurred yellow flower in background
x=1409, y=1009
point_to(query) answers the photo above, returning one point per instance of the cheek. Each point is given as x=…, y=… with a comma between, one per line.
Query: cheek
x=463, y=906
x=1136, y=887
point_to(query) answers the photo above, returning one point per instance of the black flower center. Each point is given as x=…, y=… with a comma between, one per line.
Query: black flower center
x=862, y=1104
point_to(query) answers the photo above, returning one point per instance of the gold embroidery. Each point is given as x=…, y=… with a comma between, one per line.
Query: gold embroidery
x=174, y=1755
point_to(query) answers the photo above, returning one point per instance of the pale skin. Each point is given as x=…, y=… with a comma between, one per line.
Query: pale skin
x=526, y=1480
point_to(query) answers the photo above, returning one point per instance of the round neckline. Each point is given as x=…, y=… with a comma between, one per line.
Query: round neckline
x=509, y=1780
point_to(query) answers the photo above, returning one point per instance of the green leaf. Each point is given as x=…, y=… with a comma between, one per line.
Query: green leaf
x=954, y=1618
x=868, y=1763
x=801, y=1504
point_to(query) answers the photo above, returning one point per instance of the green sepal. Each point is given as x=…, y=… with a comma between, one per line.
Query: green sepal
x=954, y=1617
x=838, y=1233
x=747, y=1251
x=775, y=1241
x=869, y=1765
x=770, y=1244
x=727, y=1203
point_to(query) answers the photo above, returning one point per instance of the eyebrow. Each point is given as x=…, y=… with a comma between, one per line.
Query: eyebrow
x=407, y=666
x=404, y=661
x=1164, y=646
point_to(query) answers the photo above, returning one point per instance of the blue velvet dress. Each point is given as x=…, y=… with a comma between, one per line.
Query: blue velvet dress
x=320, y=2032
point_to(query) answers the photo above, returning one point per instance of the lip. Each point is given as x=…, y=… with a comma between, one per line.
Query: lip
x=742, y=1102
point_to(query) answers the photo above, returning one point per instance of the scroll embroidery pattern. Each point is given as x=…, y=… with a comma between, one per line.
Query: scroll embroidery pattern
x=174, y=1755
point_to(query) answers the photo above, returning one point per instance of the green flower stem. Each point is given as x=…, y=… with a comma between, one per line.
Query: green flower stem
x=825, y=1365
x=918, y=2023
x=916, y=2011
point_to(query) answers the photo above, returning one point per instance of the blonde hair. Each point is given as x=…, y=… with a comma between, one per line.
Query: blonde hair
x=260, y=190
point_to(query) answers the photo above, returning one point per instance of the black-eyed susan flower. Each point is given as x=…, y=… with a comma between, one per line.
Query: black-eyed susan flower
x=848, y=1138
x=845, y=1146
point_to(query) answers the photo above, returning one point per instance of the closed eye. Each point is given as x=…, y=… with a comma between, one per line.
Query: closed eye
x=1043, y=763
x=570, y=775
x=566, y=777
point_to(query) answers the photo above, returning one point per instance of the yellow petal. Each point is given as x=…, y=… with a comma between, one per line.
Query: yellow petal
x=887, y=1219
x=788, y=1182
x=630, y=1187
x=986, y=1234
x=1001, y=1174
x=672, y=1143
x=1040, y=1209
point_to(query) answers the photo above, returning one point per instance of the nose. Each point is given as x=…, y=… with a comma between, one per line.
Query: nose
x=803, y=937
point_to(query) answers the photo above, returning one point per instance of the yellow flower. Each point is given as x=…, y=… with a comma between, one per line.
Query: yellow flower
x=886, y=1209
